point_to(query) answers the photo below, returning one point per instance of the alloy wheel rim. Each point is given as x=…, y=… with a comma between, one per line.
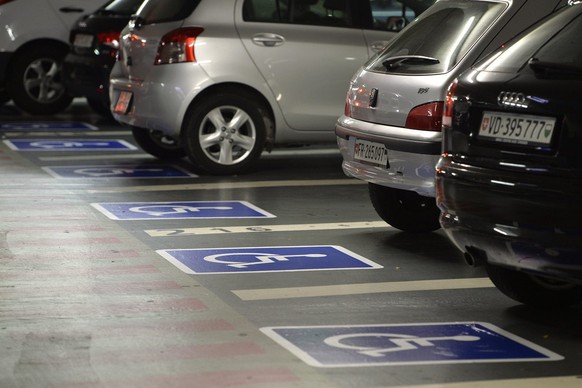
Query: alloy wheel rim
x=40, y=81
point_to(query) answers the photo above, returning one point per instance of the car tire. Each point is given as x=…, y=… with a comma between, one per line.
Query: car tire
x=100, y=107
x=533, y=290
x=35, y=81
x=157, y=144
x=217, y=144
x=405, y=210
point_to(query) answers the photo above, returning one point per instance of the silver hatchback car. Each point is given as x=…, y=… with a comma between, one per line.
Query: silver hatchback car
x=390, y=133
x=221, y=80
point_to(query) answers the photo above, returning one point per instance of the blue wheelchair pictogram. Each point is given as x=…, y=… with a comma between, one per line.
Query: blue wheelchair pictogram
x=408, y=344
x=265, y=259
x=180, y=210
x=70, y=145
x=107, y=172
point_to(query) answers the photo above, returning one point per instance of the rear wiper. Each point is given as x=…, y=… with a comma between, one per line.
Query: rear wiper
x=550, y=69
x=394, y=63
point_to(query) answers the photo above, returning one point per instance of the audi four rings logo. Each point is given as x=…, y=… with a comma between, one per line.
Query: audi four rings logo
x=512, y=99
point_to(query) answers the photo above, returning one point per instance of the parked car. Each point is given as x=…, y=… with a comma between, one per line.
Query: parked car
x=390, y=133
x=94, y=41
x=510, y=177
x=221, y=80
x=33, y=42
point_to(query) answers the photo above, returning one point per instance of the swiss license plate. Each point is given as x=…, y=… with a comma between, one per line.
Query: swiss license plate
x=371, y=152
x=83, y=40
x=123, y=101
x=517, y=128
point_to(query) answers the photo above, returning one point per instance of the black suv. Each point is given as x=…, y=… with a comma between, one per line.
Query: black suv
x=94, y=43
x=509, y=182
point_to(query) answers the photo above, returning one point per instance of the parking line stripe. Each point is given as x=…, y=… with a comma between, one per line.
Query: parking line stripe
x=95, y=157
x=361, y=288
x=231, y=185
x=540, y=382
x=265, y=228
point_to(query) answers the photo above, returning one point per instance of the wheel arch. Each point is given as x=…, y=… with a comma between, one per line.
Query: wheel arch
x=238, y=88
x=31, y=45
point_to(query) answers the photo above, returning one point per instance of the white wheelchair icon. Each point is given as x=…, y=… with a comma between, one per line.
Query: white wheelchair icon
x=256, y=258
x=395, y=342
x=101, y=172
x=157, y=210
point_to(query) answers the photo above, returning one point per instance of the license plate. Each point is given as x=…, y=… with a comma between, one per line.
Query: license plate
x=123, y=101
x=83, y=40
x=371, y=152
x=517, y=128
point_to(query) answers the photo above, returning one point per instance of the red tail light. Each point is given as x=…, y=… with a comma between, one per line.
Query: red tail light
x=2, y=2
x=178, y=46
x=110, y=39
x=426, y=117
x=449, y=101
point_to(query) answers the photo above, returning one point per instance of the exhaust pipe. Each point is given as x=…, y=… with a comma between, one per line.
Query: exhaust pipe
x=475, y=257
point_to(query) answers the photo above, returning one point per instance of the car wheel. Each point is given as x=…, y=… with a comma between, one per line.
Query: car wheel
x=225, y=133
x=157, y=144
x=534, y=290
x=405, y=210
x=35, y=81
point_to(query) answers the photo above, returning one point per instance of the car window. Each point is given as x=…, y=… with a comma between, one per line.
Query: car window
x=444, y=34
x=391, y=15
x=554, y=40
x=123, y=7
x=157, y=11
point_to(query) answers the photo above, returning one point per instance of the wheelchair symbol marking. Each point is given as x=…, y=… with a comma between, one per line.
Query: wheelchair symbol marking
x=263, y=258
x=173, y=209
x=400, y=342
x=101, y=172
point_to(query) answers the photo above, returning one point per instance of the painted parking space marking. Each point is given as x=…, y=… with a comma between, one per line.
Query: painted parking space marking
x=406, y=344
x=232, y=185
x=265, y=259
x=70, y=145
x=119, y=171
x=180, y=210
x=361, y=289
x=46, y=126
x=265, y=228
x=534, y=382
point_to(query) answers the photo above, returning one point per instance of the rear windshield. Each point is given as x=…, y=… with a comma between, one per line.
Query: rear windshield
x=123, y=7
x=438, y=39
x=158, y=11
x=555, y=40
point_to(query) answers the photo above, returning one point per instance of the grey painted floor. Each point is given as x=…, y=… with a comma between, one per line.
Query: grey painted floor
x=310, y=289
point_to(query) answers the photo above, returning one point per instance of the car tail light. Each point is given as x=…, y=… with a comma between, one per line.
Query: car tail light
x=110, y=39
x=2, y=2
x=449, y=102
x=427, y=117
x=178, y=46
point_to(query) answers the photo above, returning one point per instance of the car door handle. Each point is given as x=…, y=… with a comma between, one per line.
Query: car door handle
x=379, y=45
x=71, y=10
x=269, y=40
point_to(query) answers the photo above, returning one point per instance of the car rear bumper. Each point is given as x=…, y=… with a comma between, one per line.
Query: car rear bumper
x=159, y=102
x=510, y=221
x=87, y=76
x=412, y=156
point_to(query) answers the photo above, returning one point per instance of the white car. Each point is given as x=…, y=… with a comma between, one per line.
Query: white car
x=390, y=134
x=33, y=43
x=221, y=80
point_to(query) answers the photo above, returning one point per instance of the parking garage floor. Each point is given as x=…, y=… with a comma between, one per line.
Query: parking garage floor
x=119, y=270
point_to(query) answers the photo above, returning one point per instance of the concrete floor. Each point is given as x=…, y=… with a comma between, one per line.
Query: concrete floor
x=89, y=299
